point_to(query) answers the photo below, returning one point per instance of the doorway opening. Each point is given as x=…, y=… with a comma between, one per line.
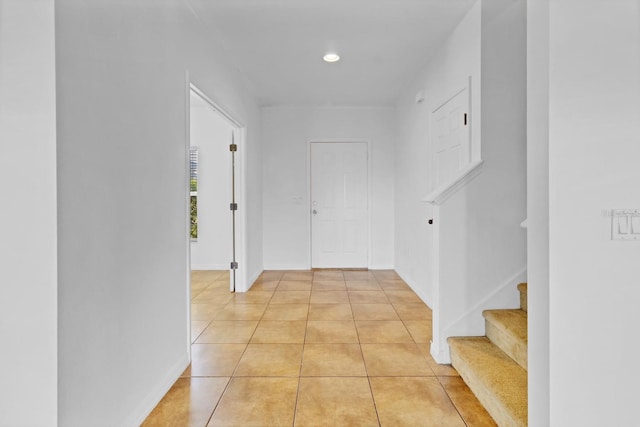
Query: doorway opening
x=216, y=212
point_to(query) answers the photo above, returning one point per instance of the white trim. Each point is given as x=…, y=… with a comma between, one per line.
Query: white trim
x=414, y=287
x=252, y=279
x=382, y=267
x=154, y=396
x=369, y=192
x=443, y=193
x=239, y=132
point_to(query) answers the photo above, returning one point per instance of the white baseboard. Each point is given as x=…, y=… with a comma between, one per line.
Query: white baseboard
x=210, y=266
x=415, y=288
x=152, y=399
x=382, y=267
x=252, y=278
x=440, y=355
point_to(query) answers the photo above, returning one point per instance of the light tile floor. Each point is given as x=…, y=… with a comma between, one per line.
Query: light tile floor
x=321, y=348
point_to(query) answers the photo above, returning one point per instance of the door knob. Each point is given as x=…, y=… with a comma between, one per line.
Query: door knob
x=314, y=211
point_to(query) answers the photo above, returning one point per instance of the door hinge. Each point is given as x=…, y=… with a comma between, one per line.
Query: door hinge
x=233, y=206
x=465, y=119
x=233, y=147
x=234, y=265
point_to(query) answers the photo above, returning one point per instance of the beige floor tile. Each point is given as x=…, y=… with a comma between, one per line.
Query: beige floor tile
x=270, y=360
x=335, y=402
x=197, y=326
x=330, y=312
x=328, y=285
x=374, y=312
x=398, y=285
x=264, y=285
x=272, y=403
x=252, y=297
x=215, y=360
x=413, y=311
x=329, y=297
x=280, y=331
x=363, y=285
x=241, y=312
x=294, y=285
x=189, y=402
x=291, y=297
x=215, y=296
x=328, y=275
x=420, y=330
x=471, y=410
x=332, y=360
x=414, y=402
x=403, y=297
x=386, y=275
x=297, y=275
x=205, y=311
x=286, y=312
x=271, y=275
x=220, y=284
x=228, y=332
x=358, y=275
x=368, y=297
x=331, y=331
x=382, y=331
x=395, y=360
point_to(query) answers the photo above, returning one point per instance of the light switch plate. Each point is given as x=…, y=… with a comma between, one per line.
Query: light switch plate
x=625, y=224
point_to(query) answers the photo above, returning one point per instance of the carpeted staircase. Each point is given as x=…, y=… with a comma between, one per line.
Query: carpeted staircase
x=495, y=366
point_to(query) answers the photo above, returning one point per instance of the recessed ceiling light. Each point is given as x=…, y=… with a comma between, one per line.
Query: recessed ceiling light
x=331, y=57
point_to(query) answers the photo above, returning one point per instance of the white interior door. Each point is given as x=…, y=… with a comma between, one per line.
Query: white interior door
x=339, y=205
x=450, y=124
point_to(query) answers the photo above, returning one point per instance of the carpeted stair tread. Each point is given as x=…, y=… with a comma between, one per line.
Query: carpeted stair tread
x=508, y=330
x=522, y=288
x=498, y=382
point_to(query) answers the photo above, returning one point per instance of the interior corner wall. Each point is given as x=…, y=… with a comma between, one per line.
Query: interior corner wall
x=448, y=71
x=594, y=147
x=122, y=100
x=28, y=259
x=287, y=132
x=211, y=133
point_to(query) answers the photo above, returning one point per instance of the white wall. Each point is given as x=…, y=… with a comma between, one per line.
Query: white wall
x=476, y=244
x=28, y=260
x=287, y=132
x=448, y=71
x=122, y=175
x=211, y=133
x=594, y=147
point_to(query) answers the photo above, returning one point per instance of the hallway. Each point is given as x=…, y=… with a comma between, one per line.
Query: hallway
x=303, y=348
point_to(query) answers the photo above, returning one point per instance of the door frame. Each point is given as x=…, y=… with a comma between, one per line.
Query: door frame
x=369, y=192
x=239, y=135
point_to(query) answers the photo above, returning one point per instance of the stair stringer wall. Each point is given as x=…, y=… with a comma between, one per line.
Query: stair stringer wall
x=471, y=322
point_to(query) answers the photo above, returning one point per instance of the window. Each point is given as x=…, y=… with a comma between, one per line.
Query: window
x=193, y=190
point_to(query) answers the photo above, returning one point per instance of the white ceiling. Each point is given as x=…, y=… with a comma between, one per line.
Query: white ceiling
x=278, y=45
